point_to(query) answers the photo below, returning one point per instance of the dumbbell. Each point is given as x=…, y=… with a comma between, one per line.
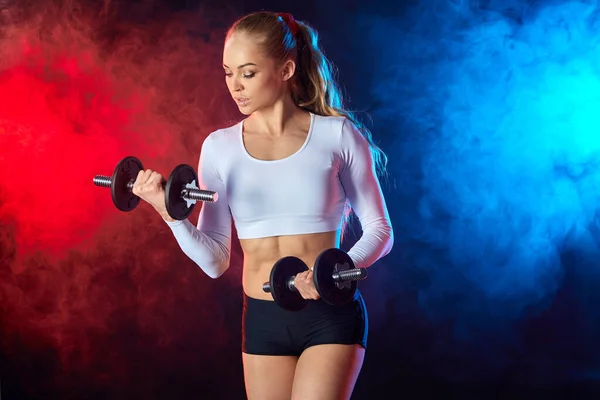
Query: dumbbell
x=181, y=192
x=334, y=273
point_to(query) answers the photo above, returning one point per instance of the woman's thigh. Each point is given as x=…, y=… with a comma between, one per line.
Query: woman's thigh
x=327, y=372
x=269, y=377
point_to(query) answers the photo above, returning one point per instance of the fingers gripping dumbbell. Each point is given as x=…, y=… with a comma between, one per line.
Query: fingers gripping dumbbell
x=181, y=192
x=334, y=273
x=281, y=283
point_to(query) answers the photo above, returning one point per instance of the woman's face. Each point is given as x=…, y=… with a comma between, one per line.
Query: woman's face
x=254, y=80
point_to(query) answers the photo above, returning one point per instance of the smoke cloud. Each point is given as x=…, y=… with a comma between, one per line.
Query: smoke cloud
x=493, y=106
x=99, y=298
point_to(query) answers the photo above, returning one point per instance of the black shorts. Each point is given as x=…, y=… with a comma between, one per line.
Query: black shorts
x=268, y=329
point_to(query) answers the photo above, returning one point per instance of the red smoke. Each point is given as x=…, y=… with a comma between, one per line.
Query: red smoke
x=58, y=123
x=88, y=294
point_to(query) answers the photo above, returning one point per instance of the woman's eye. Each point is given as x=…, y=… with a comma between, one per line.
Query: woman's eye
x=247, y=75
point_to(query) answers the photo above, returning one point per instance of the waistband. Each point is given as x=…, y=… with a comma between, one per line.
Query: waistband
x=320, y=303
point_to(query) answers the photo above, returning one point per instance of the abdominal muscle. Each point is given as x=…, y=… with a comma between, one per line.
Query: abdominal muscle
x=261, y=254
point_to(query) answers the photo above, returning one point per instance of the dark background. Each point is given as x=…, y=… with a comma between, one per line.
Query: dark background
x=485, y=109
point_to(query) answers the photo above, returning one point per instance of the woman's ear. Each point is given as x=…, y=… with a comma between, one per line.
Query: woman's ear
x=289, y=69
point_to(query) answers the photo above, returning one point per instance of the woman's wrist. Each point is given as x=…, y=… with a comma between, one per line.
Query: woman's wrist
x=165, y=215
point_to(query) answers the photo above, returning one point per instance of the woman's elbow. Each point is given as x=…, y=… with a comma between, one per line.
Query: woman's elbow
x=212, y=267
x=389, y=238
x=216, y=270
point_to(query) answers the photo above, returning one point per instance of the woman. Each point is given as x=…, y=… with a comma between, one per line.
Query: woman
x=286, y=174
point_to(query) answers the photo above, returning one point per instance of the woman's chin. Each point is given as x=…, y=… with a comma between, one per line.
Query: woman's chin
x=245, y=109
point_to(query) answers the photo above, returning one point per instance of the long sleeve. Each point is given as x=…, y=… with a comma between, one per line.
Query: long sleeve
x=363, y=191
x=209, y=243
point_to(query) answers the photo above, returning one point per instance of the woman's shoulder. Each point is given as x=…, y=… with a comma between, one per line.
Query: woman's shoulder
x=227, y=133
x=328, y=123
x=332, y=119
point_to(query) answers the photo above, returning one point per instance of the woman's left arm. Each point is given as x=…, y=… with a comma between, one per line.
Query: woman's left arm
x=363, y=191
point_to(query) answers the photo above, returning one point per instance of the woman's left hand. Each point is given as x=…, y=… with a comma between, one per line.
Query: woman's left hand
x=305, y=284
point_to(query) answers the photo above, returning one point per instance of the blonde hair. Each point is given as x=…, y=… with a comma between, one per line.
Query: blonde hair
x=313, y=86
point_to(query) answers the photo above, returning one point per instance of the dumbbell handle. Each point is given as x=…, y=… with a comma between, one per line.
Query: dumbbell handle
x=187, y=194
x=355, y=274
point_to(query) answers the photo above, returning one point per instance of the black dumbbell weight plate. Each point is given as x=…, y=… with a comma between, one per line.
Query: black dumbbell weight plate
x=177, y=207
x=282, y=271
x=125, y=171
x=323, y=271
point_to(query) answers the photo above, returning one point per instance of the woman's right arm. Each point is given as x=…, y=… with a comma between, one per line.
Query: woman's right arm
x=208, y=244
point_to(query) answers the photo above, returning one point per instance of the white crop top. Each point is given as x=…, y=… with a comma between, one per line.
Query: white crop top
x=303, y=193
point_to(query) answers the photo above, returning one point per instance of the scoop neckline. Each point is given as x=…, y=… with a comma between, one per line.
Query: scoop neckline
x=250, y=156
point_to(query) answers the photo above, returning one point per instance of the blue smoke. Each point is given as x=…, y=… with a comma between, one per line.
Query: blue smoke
x=495, y=110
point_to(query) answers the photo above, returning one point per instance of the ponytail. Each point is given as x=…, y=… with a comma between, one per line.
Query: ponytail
x=315, y=89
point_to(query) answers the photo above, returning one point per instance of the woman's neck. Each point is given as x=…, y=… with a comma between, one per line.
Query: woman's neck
x=275, y=119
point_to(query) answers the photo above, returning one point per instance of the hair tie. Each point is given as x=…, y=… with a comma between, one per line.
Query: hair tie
x=290, y=22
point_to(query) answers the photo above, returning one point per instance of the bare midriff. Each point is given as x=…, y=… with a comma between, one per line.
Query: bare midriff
x=261, y=254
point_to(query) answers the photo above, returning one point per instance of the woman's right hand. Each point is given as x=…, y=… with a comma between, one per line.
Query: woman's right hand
x=148, y=186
